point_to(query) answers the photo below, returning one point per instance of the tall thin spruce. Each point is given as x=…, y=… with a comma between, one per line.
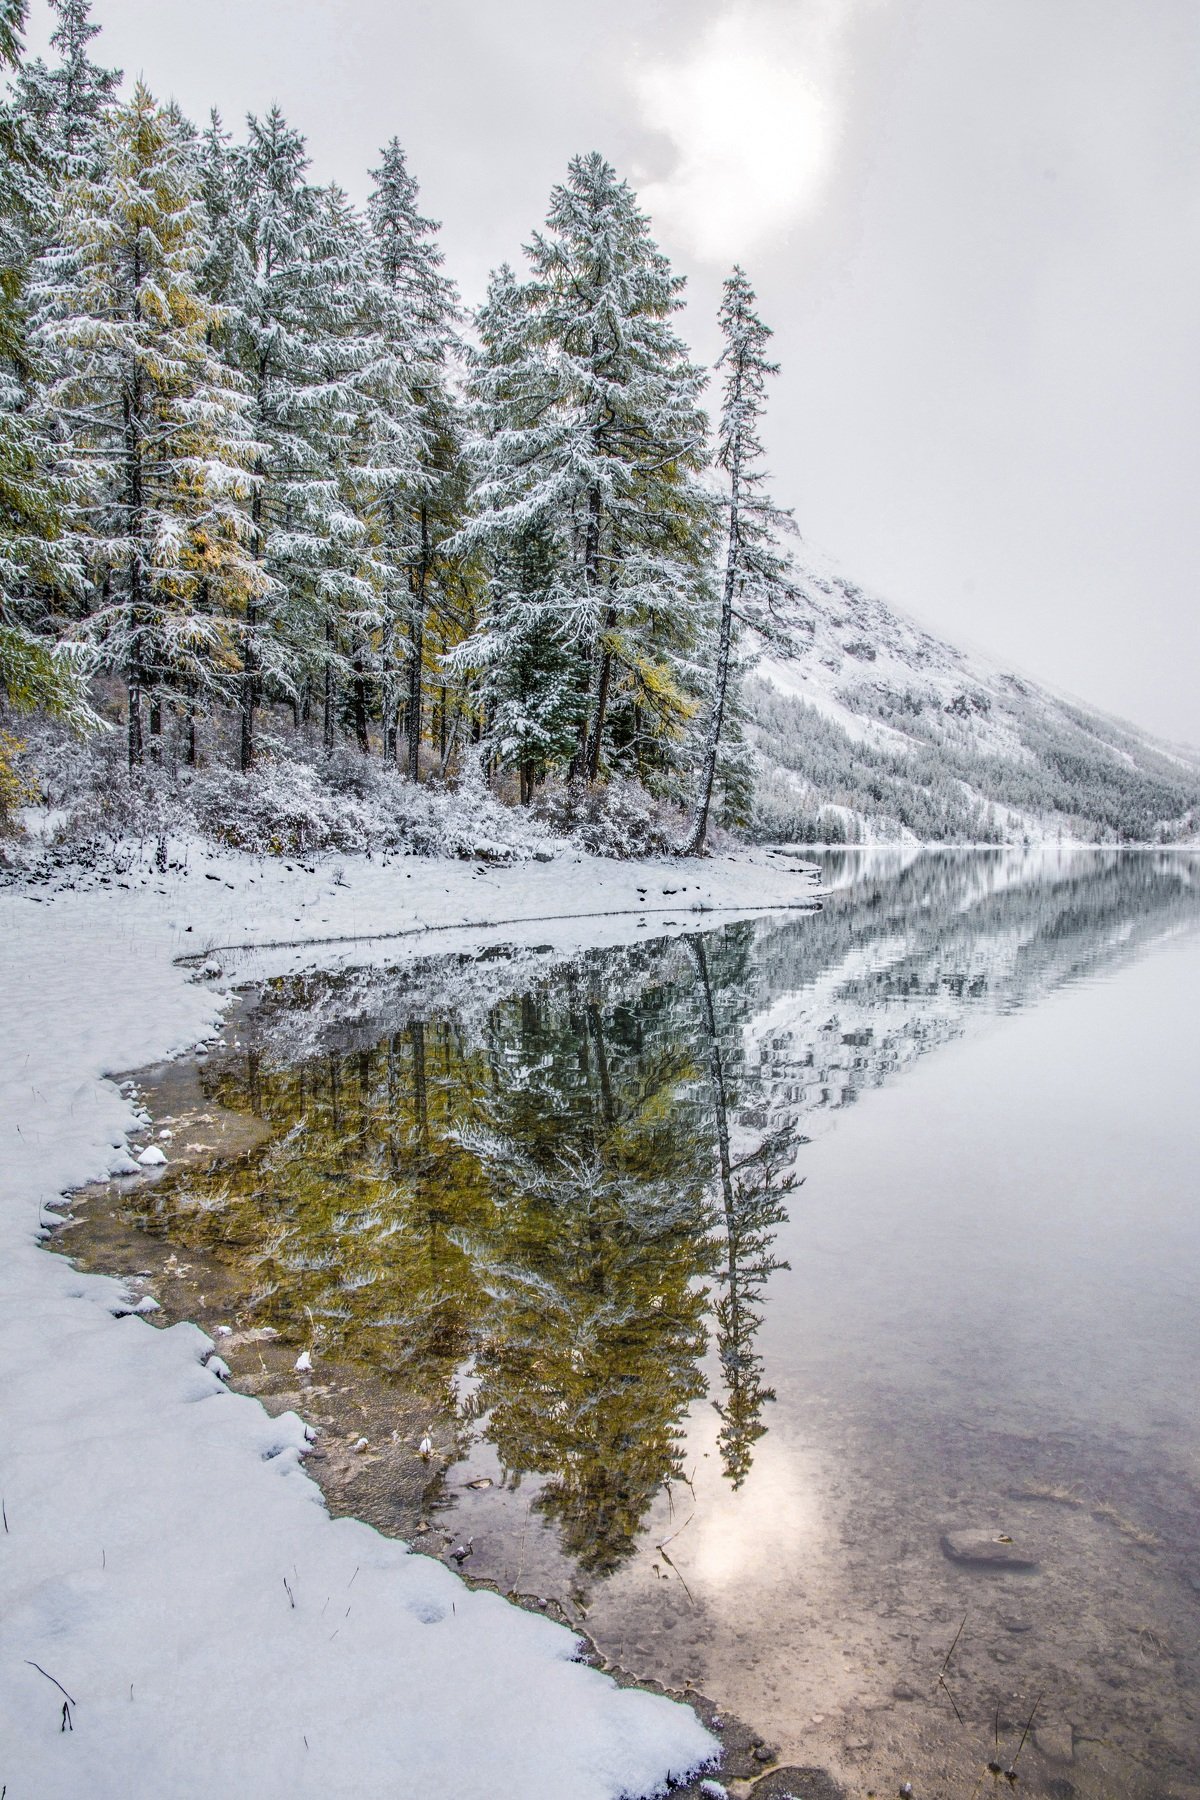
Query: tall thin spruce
x=419, y=515
x=755, y=577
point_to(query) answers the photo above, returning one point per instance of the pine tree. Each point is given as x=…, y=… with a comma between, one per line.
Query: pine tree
x=66, y=103
x=370, y=442
x=755, y=575
x=157, y=419
x=22, y=185
x=271, y=282
x=223, y=270
x=522, y=651
x=424, y=316
x=609, y=449
x=36, y=563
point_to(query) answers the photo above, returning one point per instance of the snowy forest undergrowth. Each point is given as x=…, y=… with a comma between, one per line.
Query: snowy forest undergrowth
x=276, y=504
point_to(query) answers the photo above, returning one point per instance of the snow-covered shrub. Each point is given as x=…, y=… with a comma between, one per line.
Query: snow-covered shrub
x=300, y=800
x=347, y=802
x=279, y=809
x=620, y=819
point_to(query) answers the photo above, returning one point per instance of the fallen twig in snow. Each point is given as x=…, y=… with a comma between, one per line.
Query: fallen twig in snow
x=67, y=1723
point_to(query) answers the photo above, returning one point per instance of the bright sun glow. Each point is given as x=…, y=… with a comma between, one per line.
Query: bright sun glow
x=750, y=113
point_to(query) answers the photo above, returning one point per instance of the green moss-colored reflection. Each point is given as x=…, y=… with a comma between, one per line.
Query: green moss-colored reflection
x=515, y=1218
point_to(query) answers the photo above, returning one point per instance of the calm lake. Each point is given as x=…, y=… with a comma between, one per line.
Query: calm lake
x=784, y=1304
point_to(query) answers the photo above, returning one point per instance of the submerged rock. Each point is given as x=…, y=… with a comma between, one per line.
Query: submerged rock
x=1056, y=1740
x=798, y=1784
x=986, y=1550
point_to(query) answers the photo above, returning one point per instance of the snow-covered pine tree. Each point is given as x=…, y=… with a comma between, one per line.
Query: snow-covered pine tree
x=270, y=333
x=755, y=575
x=12, y=26
x=419, y=521
x=52, y=129
x=66, y=102
x=224, y=268
x=523, y=652
x=612, y=452
x=370, y=442
x=156, y=418
x=36, y=562
x=23, y=171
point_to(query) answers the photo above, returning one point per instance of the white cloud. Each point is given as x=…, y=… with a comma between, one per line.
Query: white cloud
x=751, y=110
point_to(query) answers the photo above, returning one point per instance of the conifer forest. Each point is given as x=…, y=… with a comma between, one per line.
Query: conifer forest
x=269, y=487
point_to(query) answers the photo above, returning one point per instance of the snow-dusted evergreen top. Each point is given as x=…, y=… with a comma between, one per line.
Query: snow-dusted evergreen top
x=410, y=258
x=66, y=102
x=592, y=438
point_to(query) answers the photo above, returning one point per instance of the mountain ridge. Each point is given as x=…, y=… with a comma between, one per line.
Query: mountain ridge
x=867, y=726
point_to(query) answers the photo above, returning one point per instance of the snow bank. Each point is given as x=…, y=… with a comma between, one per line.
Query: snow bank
x=169, y=1574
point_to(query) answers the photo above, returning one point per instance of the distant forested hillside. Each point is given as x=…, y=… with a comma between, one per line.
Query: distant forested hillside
x=865, y=726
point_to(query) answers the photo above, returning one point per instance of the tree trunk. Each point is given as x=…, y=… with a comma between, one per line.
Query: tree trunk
x=734, y=1334
x=449, y=741
x=417, y=653
x=420, y=1087
x=591, y=576
x=610, y=619
x=595, y=1027
x=694, y=843
x=249, y=693
x=134, y=691
x=716, y=1075
x=361, y=735
x=329, y=696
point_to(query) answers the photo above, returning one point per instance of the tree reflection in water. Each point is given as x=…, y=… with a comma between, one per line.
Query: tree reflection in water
x=751, y=1190
x=518, y=1221
x=531, y=1197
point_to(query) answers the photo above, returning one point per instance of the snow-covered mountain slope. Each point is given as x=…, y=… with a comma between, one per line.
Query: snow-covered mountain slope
x=868, y=727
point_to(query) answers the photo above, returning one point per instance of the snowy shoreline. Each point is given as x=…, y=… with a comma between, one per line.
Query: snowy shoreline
x=165, y=1558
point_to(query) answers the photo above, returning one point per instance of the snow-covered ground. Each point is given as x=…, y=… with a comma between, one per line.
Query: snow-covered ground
x=179, y=1615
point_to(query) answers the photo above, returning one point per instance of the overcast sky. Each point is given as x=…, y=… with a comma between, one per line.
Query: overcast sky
x=974, y=225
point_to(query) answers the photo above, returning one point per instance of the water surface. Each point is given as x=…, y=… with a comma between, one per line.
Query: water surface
x=725, y=1278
